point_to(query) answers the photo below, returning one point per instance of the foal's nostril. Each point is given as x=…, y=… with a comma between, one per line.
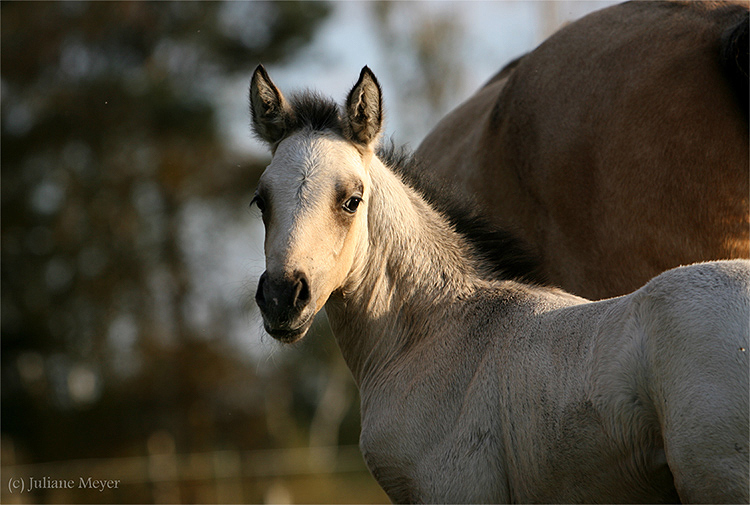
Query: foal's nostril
x=277, y=297
x=260, y=297
x=302, y=288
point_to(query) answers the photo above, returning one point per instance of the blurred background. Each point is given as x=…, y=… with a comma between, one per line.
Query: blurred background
x=132, y=350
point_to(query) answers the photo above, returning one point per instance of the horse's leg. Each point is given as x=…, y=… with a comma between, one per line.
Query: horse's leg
x=697, y=328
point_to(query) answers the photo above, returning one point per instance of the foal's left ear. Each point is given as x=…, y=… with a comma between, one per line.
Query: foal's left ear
x=270, y=110
x=364, y=110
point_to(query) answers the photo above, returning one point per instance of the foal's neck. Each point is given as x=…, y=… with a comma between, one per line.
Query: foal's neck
x=414, y=268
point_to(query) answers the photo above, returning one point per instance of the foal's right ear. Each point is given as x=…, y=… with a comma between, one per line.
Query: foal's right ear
x=269, y=109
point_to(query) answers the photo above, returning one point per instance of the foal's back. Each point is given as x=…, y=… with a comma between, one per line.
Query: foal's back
x=618, y=148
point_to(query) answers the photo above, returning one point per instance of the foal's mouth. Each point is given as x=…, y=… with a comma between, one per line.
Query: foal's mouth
x=288, y=335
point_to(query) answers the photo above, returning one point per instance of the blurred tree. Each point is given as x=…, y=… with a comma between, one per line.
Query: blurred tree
x=430, y=70
x=109, y=153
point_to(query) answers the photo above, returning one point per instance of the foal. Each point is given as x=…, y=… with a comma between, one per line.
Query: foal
x=475, y=387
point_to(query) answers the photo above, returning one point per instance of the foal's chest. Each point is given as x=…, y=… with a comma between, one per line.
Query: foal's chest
x=448, y=472
x=473, y=467
x=481, y=448
x=439, y=446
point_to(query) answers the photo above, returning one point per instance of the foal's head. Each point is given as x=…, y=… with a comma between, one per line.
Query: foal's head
x=313, y=196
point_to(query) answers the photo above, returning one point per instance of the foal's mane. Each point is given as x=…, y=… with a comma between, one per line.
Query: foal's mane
x=500, y=253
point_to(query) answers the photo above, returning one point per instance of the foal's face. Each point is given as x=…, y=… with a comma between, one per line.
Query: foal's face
x=313, y=197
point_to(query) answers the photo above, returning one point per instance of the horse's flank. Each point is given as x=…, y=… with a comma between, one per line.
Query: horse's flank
x=618, y=148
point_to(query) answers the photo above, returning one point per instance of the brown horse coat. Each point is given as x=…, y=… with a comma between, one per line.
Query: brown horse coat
x=618, y=148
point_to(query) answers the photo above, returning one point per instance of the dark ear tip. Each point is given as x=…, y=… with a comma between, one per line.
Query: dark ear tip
x=367, y=72
x=260, y=71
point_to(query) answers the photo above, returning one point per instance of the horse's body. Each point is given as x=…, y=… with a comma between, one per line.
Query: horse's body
x=477, y=388
x=618, y=148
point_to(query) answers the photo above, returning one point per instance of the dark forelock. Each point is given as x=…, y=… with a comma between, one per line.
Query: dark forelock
x=314, y=111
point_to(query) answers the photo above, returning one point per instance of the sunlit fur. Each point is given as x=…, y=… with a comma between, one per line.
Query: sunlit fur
x=479, y=389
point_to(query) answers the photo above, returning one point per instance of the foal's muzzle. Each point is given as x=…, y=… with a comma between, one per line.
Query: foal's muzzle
x=282, y=301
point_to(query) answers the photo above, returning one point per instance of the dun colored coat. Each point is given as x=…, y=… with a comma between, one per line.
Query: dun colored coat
x=476, y=387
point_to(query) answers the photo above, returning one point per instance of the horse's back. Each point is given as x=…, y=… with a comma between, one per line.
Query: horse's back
x=617, y=149
x=696, y=325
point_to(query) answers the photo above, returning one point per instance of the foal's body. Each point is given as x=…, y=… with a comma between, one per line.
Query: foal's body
x=479, y=389
x=501, y=392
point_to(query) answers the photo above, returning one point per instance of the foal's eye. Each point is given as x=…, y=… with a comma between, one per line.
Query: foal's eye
x=257, y=200
x=351, y=204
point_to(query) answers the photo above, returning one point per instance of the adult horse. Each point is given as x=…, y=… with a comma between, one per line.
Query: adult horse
x=475, y=387
x=618, y=148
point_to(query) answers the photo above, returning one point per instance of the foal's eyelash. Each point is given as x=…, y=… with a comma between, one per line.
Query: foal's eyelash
x=258, y=201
